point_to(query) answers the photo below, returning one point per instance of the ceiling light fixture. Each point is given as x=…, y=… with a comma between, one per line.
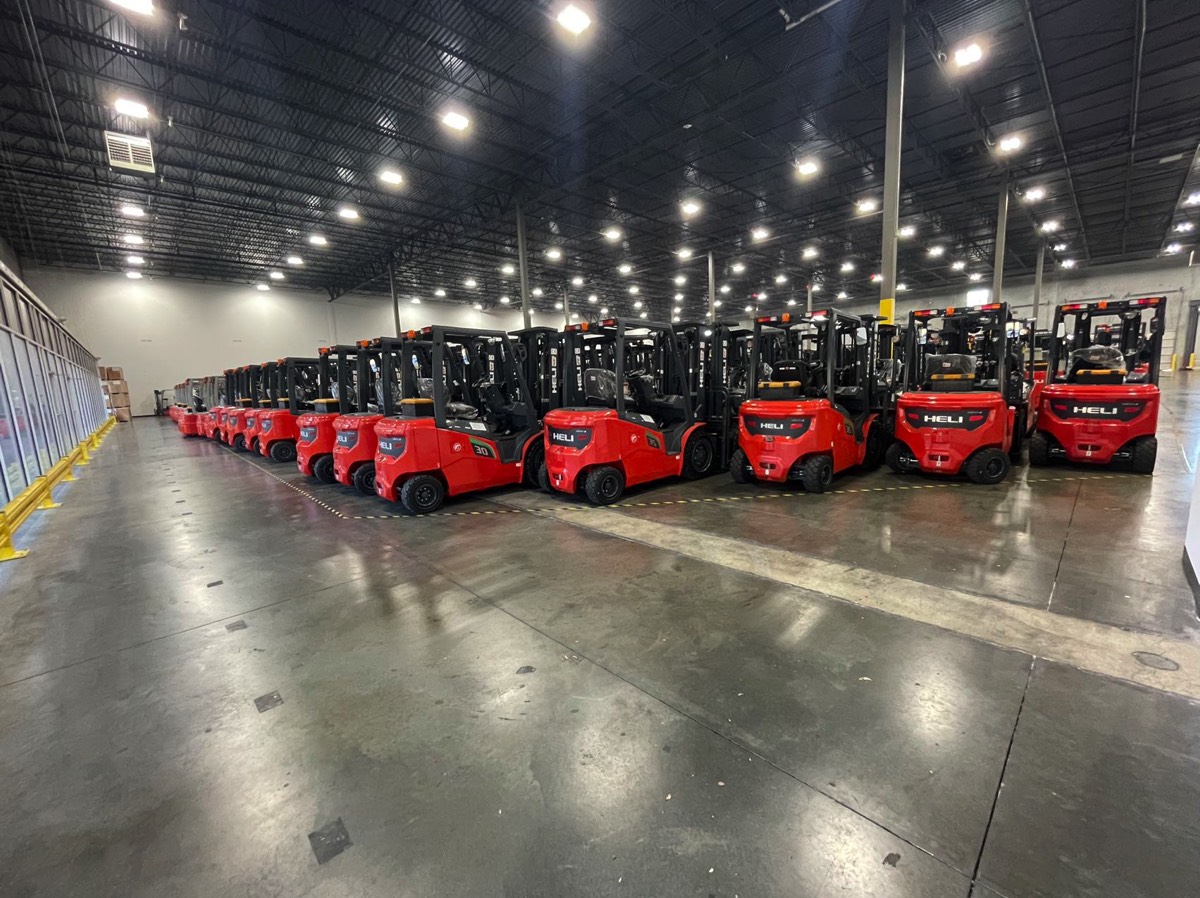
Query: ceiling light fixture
x=134, y=275
x=975, y=276
x=131, y=108
x=135, y=260
x=685, y=253
x=968, y=55
x=261, y=288
x=574, y=19
x=348, y=213
x=577, y=281
x=842, y=295
x=1010, y=143
x=866, y=206
x=554, y=254
x=439, y=293
x=937, y=251
x=558, y=305
x=1184, y=226
x=317, y=240
x=810, y=252
x=958, y=264
x=643, y=315
x=456, y=120
x=391, y=176
x=678, y=297
x=507, y=269
x=635, y=289
x=638, y=304
x=781, y=278
x=612, y=235
x=294, y=260
x=738, y=267
x=133, y=239
x=470, y=282
x=143, y=7
x=1049, y=227
x=1193, y=199
x=1034, y=194
x=1067, y=263
x=690, y=207
x=604, y=311
x=807, y=167
x=276, y=275
x=876, y=278
x=906, y=231
x=1173, y=248
x=129, y=210
x=749, y=308
x=1059, y=247
x=901, y=286
x=537, y=291
x=504, y=300
x=625, y=268
x=593, y=298
x=478, y=307
x=847, y=266
x=725, y=288
x=416, y=300
x=760, y=234
x=680, y=280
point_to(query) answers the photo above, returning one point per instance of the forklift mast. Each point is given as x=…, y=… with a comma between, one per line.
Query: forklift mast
x=840, y=350
x=982, y=332
x=540, y=351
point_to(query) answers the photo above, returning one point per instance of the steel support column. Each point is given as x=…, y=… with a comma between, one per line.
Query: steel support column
x=523, y=262
x=712, y=289
x=1037, y=280
x=395, y=296
x=891, y=161
x=809, y=291
x=1001, y=233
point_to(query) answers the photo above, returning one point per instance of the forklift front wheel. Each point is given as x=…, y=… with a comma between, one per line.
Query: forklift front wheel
x=323, y=469
x=900, y=458
x=364, y=479
x=422, y=494
x=605, y=485
x=535, y=457
x=740, y=468
x=698, y=457
x=543, y=477
x=239, y=443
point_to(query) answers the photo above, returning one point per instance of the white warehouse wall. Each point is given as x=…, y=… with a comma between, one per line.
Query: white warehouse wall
x=162, y=330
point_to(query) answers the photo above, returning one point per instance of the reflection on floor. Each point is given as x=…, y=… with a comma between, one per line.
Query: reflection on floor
x=221, y=678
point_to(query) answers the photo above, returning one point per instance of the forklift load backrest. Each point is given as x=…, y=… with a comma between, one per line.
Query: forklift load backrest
x=1102, y=364
x=600, y=387
x=950, y=373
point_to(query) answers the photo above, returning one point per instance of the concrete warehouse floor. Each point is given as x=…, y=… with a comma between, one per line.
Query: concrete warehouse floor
x=909, y=687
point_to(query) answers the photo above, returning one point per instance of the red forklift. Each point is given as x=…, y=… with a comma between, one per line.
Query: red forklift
x=296, y=387
x=965, y=403
x=354, y=450
x=218, y=412
x=820, y=411
x=265, y=391
x=466, y=417
x=244, y=403
x=632, y=423
x=315, y=436
x=1100, y=401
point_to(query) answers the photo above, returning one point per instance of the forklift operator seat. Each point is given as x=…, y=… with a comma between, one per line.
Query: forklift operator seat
x=600, y=387
x=1097, y=365
x=789, y=380
x=666, y=410
x=950, y=373
x=504, y=414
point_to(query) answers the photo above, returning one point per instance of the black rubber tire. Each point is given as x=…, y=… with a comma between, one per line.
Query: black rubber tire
x=1018, y=439
x=900, y=458
x=535, y=458
x=740, y=468
x=543, y=478
x=699, y=457
x=604, y=485
x=252, y=445
x=1039, y=449
x=364, y=478
x=816, y=473
x=283, y=451
x=239, y=443
x=988, y=466
x=422, y=494
x=322, y=469
x=1145, y=453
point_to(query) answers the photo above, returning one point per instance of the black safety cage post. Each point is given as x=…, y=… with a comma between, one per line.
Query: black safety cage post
x=346, y=366
x=1133, y=339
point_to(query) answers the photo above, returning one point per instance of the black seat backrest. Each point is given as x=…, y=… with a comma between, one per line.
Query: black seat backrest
x=950, y=373
x=644, y=394
x=600, y=387
x=1097, y=365
x=789, y=379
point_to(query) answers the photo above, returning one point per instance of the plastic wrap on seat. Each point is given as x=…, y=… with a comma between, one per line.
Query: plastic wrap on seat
x=951, y=372
x=600, y=387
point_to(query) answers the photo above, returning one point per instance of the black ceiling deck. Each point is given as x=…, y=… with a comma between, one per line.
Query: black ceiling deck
x=268, y=116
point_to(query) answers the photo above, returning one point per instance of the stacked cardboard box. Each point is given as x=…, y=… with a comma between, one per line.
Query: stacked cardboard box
x=116, y=392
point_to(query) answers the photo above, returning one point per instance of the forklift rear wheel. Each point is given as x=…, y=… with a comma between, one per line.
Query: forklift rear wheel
x=422, y=494
x=605, y=485
x=239, y=443
x=877, y=440
x=1039, y=449
x=900, y=458
x=740, y=468
x=1145, y=453
x=543, y=477
x=535, y=457
x=1018, y=439
x=988, y=465
x=323, y=469
x=816, y=474
x=364, y=479
x=698, y=457
x=283, y=451
x=253, y=445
